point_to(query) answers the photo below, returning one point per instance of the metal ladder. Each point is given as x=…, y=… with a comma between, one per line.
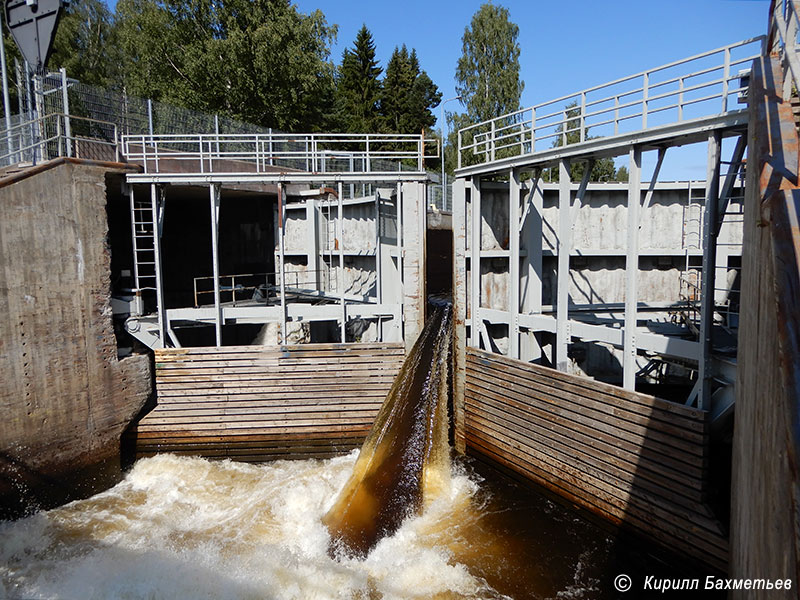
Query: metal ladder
x=144, y=264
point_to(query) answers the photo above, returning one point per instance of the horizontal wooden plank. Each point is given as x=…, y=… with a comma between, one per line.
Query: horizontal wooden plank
x=570, y=390
x=669, y=530
x=691, y=453
x=635, y=449
x=592, y=386
x=593, y=452
x=378, y=380
x=278, y=362
x=352, y=347
x=718, y=560
x=624, y=486
x=250, y=436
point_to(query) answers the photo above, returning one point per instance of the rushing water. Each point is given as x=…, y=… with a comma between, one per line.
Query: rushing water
x=395, y=521
x=404, y=460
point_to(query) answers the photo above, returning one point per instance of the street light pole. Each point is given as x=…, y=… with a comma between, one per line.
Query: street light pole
x=444, y=137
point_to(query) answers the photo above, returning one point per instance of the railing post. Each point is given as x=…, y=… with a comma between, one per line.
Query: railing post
x=150, y=116
x=270, y=146
x=366, y=158
x=680, y=99
x=216, y=132
x=459, y=149
x=491, y=150
x=65, y=96
x=725, y=76
x=583, y=116
x=645, y=95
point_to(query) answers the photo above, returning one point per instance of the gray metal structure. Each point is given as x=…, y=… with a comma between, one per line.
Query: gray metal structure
x=502, y=164
x=318, y=216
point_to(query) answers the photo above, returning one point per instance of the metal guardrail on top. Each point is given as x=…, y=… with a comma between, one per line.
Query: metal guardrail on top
x=697, y=87
x=54, y=135
x=314, y=153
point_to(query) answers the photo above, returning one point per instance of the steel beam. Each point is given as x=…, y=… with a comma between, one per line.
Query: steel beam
x=705, y=370
x=155, y=197
x=531, y=301
x=459, y=308
x=632, y=268
x=564, y=244
x=513, y=262
x=475, y=260
x=340, y=277
x=214, y=197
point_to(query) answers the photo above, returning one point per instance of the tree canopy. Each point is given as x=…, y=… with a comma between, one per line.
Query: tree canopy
x=257, y=60
x=487, y=74
x=408, y=95
x=358, y=87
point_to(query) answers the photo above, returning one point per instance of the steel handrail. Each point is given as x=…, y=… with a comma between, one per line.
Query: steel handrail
x=522, y=128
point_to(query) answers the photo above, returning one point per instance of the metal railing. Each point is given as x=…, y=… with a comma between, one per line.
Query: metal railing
x=312, y=152
x=696, y=87
x=56, y=135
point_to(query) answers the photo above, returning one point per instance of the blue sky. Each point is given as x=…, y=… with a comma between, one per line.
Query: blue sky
x=565, y=46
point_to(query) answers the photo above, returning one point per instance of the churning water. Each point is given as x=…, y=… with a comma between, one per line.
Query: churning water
x=396, y=521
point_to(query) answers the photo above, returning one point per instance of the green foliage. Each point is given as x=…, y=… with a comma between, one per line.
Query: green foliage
x=257, y=60
x=487, y=74
x=86, y=45
x=622, y=174
x=408, y=95
x=570, y=133
x=358, y=89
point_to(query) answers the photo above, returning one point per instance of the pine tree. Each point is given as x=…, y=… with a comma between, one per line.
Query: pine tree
x=358, y=90
x=408, y=95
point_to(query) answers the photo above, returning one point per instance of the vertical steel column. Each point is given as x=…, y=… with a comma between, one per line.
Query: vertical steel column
x=475, y=261
x=155, y=200
x=65, y=101
x=705, y=371
x=312, y=248
x=513, y=263
x=340, y=278
x=399, y=225
x=214, y=198
x=378, y=266
x=282, y=264
x=459, y=308
x=632, y=268
x=564, y=248
x=530, y=228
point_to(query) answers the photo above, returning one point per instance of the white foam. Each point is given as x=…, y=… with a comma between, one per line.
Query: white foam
x=180, y=527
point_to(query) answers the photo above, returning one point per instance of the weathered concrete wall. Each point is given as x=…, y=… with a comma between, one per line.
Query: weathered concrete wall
x=65, y=396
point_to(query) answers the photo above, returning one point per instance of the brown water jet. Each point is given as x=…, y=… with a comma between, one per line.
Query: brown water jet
x=405, y=456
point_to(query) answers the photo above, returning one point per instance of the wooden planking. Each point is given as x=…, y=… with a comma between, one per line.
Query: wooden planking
x=765, y=490
x=261, y=403
x=636, y=460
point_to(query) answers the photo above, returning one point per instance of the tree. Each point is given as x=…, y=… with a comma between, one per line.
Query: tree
x=487, y=74
x=85, y=44
x=408, y=95
x=569, y=132
x=257, y=60
x=358, y=89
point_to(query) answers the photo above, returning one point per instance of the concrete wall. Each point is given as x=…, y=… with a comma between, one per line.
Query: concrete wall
x=65, y=396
